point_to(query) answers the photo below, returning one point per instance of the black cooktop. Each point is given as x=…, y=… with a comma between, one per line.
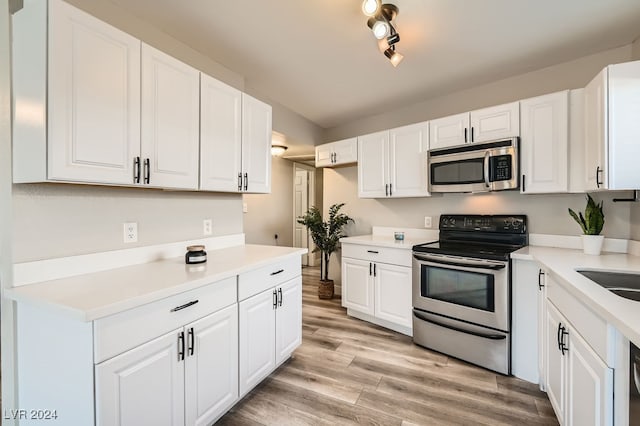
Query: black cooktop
x=481, y=236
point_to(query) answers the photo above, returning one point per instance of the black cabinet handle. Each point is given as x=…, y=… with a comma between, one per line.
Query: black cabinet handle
x=239, y=181
x=275, y=299
x=186, y=305
x=465, y=135
x=598, y=172
x=136, y=170
x=563, y=347
x=181, y=346
x=386, y=190
x=523, y=184
x=147, y=171
x=246, y=181
x=280, y=296
x=540, y=274
x=191, y=342
x=374, y=270
x=390, y=190
x=372, y=251
x=279, y=271
x=558, y=336
x=370, y=272
x=472, y=134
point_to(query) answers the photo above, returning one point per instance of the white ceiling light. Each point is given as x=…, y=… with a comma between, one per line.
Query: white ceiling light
x=370, y=7
x=277, y=150
x=380, y=29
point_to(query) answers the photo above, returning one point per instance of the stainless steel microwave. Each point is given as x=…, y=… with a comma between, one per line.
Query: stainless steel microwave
x=475, y=167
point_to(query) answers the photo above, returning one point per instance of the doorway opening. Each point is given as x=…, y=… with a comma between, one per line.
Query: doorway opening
x=304, y=196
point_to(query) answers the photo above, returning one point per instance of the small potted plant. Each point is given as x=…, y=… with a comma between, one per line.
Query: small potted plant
x=325, y=235
x=591, y=224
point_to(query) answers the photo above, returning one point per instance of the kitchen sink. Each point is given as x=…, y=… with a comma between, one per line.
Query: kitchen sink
x=623, y=284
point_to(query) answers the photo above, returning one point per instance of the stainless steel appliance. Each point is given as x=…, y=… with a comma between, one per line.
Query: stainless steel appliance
x=474, y=167
x=462, y=288
x=634, y=385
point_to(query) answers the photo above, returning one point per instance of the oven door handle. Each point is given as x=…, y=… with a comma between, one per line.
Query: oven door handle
x=461, y=330
x=487, y=182
x=495, y=266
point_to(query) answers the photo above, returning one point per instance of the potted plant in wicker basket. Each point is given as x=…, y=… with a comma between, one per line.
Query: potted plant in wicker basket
x=591, y=224
x=325, y=236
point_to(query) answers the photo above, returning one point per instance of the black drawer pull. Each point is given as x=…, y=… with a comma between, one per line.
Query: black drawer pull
x=186, y=305
x=277, y=272
x=372, y=251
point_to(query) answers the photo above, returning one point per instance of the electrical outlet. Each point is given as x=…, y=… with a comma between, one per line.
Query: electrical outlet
x=207, y=227
x=131, y=232
x=427, y=221
x=244, y=208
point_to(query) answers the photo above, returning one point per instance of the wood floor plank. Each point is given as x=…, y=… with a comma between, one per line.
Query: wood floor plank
x=348, y=371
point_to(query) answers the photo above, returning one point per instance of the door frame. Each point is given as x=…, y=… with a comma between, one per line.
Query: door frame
x=311, y=194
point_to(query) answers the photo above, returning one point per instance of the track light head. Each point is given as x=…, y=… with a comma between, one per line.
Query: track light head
x=394, y=57
x=371, y=7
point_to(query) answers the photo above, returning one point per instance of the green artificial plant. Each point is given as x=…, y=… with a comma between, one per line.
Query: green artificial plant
x=325, y=235
x=593, y=219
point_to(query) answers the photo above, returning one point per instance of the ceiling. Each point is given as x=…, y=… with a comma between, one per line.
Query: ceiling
x=319, y=59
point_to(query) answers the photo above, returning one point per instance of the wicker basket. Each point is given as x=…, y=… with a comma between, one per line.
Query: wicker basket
x=325, y=289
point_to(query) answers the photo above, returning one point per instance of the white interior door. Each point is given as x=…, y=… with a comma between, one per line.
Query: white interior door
x=300, y=206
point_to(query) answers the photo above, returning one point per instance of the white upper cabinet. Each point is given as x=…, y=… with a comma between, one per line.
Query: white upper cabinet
x=256, y=145
x=392, y=163
x=170, y=133
x=612, y=127
x=220, y=136
x=481, y=125
x=77, y=97
x=337, y=153
x=544, y=143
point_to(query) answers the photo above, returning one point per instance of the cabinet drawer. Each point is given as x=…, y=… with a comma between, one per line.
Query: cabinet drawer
x=258, y=280
x=125, y=330
x=593, y=329
x=393, y=256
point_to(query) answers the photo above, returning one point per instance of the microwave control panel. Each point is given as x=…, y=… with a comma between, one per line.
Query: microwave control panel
x=500, y=168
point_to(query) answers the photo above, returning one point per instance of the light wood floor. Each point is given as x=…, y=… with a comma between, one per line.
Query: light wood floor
x=348, y=371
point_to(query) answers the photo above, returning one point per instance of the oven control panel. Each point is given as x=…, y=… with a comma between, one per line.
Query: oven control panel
x=512, y=224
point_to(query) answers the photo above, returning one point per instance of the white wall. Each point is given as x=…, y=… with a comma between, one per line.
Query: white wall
x=6, y=280
x=568, y=75
x=270, y=214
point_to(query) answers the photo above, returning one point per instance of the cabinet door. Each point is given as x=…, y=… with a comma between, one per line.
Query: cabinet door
x=449, y=131
x=590, y=385
x=392, y=297
x=257, y=339
x=288, y=319
x=93, y=100
x=357, y=285
x=544, y=143
x=345, y=151
x=324, y=155
x=256, y=145
x=170, y=120
x=408, y=147
x=144, y=386
x=211, y=367
x=595, y=132
x=556, y=363
x=502, y=121
x=372, y=167
x=220, y=136
x=543, y=337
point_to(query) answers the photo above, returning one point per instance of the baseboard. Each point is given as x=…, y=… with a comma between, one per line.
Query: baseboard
x=382, y=323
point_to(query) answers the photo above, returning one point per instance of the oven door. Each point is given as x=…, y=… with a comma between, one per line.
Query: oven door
x=470, y=290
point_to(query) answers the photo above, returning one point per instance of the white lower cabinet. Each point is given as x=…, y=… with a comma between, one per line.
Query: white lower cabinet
x=184, y=377
x=579, y=382
x=378, y=290
x=270, y=330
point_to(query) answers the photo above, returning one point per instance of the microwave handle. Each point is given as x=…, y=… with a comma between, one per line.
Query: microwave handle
x=487, y=154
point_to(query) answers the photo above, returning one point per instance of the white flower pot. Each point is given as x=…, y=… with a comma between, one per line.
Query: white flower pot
x=592, y=244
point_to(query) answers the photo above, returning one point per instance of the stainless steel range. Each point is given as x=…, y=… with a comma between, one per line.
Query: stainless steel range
x=462, y=288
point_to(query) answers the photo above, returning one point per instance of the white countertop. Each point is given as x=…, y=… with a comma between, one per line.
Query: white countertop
x=622, y=313
x=385, y=241
x=96, y=295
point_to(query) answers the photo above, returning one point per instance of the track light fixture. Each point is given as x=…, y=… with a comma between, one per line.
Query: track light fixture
x=380, y=23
